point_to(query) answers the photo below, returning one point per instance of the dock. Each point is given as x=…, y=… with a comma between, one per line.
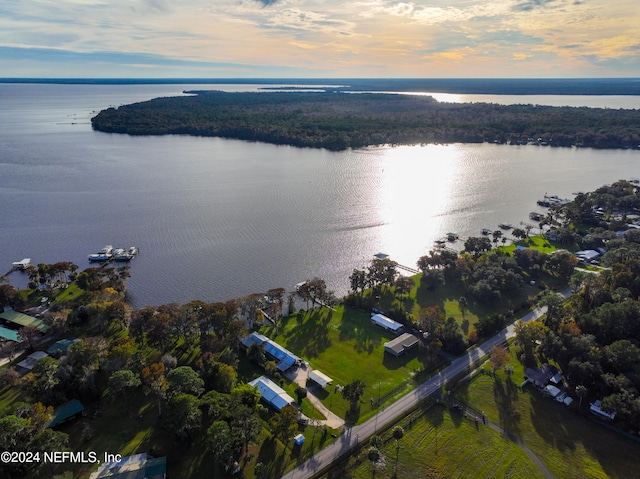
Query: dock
x=407, y=268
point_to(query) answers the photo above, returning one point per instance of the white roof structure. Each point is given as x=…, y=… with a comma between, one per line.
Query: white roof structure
x=320, y=378
x=30, y=361
x=386, y=323
x=598, y=411
x=23, y=264
x=552, y=390
x=587, y=254
x=271, y=393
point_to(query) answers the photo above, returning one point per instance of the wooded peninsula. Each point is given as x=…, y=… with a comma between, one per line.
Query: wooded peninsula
x=336, y=120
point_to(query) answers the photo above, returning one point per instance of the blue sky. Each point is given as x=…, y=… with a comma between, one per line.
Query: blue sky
x=319, y=38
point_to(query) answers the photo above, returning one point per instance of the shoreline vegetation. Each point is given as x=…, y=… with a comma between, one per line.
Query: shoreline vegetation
x=338, y=119
x=173, y=381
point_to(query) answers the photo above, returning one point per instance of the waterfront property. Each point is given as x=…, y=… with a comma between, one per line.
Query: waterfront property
x=271, y=393
x=386, y=323
x=283, y=357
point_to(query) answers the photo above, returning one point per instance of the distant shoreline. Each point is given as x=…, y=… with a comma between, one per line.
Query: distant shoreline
x=488, y=86
x=337, y=121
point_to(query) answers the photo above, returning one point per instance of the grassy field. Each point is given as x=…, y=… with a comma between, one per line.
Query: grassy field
x=345, y=345
x=441, y=443
x=569, y=444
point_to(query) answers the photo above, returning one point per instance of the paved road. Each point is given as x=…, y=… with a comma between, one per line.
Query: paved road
x=352, y=436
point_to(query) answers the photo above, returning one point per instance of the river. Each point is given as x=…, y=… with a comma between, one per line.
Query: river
x=216, y=219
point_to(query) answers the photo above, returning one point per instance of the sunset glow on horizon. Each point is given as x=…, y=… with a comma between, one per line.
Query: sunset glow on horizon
x=315, y=39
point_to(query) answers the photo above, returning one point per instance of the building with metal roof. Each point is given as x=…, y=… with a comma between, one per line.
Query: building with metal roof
x=61, y=347
x=68, y=410
x=10, y=334
x=271, y=393
x=30, y=361
x=138, y=466
x=387, y=323
x=401, y=344
x=23, y=320
x=319, y=378
x=283, y=357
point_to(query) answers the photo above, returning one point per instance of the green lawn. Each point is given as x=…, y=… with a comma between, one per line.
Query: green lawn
x=569, y=444
x=538, y=242
x=441, y=443
x=345, y=345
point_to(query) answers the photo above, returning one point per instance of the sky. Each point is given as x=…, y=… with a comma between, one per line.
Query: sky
x=319, y=38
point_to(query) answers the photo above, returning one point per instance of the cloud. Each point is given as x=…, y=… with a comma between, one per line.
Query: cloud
x=340, y=38
x=529, y=5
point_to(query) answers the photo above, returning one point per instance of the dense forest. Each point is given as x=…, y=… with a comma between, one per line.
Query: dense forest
x=336, y=120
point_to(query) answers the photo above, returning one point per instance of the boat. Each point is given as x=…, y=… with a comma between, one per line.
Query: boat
x=536, y=216
x=486, y=231
x=105, y=254
x=21, y=265
x=120, y=254
x=505, y=226
x=100, y=257
x=544, y=203
x=452, y=236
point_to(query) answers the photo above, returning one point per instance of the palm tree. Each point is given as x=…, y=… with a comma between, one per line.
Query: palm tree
x=581, y=391
x=398, y=433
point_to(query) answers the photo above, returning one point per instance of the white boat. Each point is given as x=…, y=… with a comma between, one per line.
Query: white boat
x=100, y=257
x=121, y=255
x=24, y=264
x=105, y=254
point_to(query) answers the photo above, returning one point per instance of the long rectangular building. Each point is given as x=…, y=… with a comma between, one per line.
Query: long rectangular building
x=401, y=344
x=271, y=393
x=387, y=323
x=284, y=358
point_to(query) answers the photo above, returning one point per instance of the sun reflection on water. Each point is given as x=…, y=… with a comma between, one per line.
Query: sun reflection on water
x=415, y=193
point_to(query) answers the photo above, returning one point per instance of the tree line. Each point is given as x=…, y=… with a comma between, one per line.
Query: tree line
x=337, y=121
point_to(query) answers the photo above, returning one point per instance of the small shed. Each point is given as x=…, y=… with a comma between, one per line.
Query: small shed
x=387, y=323
x=401, y=344
x=320, y=378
